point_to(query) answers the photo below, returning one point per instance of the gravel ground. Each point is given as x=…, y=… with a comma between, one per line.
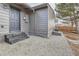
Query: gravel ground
x=37, y=46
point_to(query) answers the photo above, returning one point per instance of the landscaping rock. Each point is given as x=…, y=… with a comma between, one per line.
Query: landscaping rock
x=56, y=33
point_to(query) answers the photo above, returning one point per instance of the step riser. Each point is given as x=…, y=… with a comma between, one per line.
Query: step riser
x=13, y=38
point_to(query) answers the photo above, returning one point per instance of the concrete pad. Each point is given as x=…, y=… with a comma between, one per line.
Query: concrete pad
x=38, y=46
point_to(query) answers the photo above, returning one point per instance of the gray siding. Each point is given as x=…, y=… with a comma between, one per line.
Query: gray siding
x=4, y=18
x=39, y=22
x=32, y=24
x=24, y=24
x=51, y=19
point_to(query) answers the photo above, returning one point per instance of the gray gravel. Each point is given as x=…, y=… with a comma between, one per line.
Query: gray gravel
x=37, y=46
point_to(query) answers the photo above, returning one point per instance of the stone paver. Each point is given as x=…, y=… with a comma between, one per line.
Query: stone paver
x=38, y=46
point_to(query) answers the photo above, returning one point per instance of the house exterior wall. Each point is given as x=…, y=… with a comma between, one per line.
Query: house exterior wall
x=24, y=24
x=4, y=18
x=51, y=21
x=39, y=22
x=32, y=24
x=24, y=18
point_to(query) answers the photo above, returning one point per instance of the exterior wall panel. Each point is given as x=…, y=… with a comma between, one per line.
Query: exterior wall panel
x=4, y=18
x=24, y=23
x=51, y=21
x=41, y=22
x=32, y=24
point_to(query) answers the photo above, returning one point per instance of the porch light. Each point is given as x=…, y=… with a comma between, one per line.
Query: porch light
x=25, y=20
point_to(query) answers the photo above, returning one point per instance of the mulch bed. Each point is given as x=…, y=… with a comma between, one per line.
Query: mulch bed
x=72, y=36
x=66, y=29
x=74, y=47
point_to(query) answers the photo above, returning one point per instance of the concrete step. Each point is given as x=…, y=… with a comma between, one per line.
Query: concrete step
x=15, y=37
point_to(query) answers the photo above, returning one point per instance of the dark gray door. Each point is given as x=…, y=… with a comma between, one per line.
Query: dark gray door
x=14, y=20
x=41, y=22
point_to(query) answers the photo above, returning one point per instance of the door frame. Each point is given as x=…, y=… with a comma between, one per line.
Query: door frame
x=19, y=17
